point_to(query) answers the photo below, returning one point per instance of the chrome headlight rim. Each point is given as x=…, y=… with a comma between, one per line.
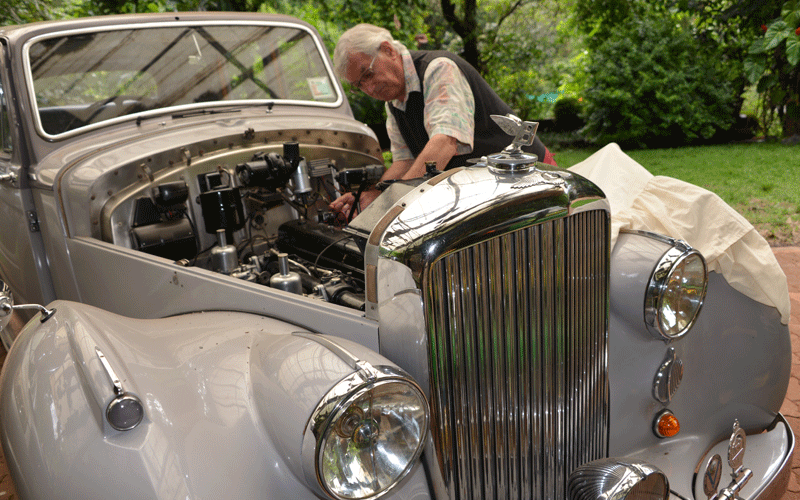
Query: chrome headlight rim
x=672, y=260
x=335, y=404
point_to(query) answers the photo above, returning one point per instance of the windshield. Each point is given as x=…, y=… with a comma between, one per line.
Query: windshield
x=86, y=78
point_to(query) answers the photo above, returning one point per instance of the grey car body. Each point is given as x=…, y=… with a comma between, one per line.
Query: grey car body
x=199, y=327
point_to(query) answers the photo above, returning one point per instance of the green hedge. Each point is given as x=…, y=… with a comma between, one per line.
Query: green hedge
x=651, y=84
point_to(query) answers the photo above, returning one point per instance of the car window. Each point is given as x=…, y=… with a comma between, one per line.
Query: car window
x=86, y=78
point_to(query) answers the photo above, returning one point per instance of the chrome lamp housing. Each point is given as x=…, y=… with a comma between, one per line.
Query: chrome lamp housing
x=675, y=292
x=366, y=434
x=614, y=479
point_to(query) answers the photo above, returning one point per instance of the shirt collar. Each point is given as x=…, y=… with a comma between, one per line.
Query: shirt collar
x=411, y=76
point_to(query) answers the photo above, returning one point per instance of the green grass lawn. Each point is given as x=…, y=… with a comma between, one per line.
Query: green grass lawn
x=761, y=180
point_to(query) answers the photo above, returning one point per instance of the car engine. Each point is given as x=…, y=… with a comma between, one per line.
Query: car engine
x=265, y=220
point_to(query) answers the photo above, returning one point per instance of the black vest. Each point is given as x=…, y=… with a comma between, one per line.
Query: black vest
x=489, y=137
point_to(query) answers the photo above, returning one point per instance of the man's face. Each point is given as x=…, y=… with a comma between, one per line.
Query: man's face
x=380, y=76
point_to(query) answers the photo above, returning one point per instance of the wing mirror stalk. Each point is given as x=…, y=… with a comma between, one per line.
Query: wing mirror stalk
x=10, y=177
x=7, y=307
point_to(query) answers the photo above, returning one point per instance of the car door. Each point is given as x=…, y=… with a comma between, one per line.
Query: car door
x=24, y=270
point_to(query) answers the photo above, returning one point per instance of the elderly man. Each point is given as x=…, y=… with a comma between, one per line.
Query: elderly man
x=437, y=104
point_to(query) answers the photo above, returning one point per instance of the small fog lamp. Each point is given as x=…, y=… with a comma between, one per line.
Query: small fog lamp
x=125, y=412
x=617, y=479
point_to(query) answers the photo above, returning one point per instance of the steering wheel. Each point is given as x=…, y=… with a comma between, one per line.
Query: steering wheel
x=93, y=110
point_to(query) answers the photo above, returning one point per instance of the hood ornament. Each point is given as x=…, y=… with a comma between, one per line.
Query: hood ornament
x=513, y=158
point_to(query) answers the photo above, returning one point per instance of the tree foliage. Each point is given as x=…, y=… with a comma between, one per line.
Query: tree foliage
x=650, y=83
x=478, y=25
x=530, y=59
x=773, y=64
x=526, y=51
x=404, y=19
x=728, y=28
x=28, y=11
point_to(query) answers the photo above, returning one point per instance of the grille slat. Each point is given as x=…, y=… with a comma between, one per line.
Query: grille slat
x=517, y=328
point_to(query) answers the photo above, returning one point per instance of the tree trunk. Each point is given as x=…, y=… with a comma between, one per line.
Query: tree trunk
x=791, y=119
x=466, y=28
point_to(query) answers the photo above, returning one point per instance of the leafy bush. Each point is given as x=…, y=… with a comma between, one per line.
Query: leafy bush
x=651, y=84
x=520, y=90
x=773, y=64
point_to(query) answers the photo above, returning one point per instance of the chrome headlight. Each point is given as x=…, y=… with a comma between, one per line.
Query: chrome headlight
x=614, y=479
x=675, y=292
x=368, y=432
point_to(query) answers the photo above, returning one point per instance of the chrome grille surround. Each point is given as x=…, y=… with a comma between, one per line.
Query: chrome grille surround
x=519, y=393
x=512, y=273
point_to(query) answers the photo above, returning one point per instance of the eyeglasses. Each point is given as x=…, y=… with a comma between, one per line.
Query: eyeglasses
x=365, y=76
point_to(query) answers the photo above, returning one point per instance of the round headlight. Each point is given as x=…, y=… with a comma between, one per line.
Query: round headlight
x=676, y=292
x=369, y=440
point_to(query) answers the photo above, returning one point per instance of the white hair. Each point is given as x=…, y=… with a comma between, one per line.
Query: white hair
x=363, y=38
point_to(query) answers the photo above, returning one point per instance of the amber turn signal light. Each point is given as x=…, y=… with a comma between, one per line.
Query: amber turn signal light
x=666, y=424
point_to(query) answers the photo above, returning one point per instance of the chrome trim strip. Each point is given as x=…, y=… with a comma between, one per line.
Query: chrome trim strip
x=777, y=487
x=364, y=368
x=655, y=236
x=110, y=372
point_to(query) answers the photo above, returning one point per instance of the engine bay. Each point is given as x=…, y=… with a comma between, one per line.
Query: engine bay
x=265, y=220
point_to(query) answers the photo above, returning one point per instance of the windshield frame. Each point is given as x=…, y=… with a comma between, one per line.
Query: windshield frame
x=177, y=109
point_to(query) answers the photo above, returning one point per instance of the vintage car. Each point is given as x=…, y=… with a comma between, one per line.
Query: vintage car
x=192, y=322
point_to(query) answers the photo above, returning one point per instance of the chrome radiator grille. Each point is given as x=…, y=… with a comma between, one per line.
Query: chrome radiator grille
x=517, y=346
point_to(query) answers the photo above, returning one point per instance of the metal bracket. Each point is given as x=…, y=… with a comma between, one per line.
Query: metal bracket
x=33, y=221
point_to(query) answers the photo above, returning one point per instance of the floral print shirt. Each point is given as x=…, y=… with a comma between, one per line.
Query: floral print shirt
x=449, y=105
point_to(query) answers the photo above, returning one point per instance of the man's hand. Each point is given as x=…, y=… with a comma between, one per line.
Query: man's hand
x=440, y=148
x=344, y=203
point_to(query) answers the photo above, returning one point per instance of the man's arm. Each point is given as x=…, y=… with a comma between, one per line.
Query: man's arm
x=440, y=148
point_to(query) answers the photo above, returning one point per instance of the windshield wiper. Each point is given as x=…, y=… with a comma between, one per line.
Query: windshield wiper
x=231, y=109
x=198, y=112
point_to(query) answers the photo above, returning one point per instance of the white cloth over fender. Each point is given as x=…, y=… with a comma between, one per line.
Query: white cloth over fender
x=730, y=244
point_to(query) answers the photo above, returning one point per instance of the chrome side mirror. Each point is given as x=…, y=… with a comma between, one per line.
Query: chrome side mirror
x=7, y=307
x=8, y=177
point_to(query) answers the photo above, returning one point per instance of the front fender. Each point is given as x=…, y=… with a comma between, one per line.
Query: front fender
x=208, y=430
x=736, y=365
